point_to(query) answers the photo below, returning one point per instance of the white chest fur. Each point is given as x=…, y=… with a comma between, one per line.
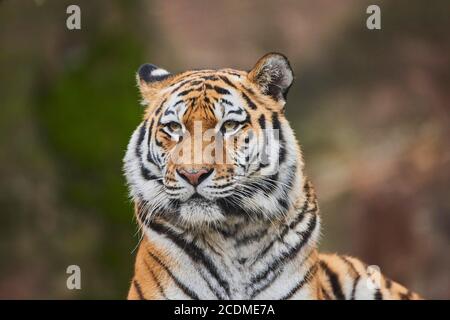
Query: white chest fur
x=256, y=262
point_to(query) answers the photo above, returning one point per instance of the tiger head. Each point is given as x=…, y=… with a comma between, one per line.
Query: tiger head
x=214, y=144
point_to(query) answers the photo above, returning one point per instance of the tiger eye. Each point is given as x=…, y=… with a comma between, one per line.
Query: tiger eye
x=174, y=126
x=229, y=125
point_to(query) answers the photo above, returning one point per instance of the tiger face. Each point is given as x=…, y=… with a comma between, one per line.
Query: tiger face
x=214, y=144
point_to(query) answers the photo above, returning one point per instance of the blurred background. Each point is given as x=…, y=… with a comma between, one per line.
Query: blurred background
x=370, y=108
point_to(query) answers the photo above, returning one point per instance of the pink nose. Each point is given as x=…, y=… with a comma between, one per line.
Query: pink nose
x=195, y=177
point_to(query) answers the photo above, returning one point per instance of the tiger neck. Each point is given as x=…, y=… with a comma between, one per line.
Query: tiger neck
x=246, y=244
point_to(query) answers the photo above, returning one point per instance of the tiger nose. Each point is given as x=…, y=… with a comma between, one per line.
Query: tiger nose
x=195, y=177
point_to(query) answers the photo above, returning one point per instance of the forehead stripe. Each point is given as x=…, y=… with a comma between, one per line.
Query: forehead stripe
x=227, y=102
x=227, y=81
x=249, y=101
x=235, y=111
x=185, y=92
x=195, y=82
x=179, y=85
x=232, y=73
x=209, y=77
x=221, y=90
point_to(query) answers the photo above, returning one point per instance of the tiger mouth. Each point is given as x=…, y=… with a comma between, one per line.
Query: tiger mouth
x=196, y=196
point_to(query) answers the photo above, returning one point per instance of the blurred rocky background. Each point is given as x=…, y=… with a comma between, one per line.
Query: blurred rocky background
x=370, y=108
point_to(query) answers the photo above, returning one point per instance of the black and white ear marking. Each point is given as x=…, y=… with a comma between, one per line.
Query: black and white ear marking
x=151, y=73
x=273, y=74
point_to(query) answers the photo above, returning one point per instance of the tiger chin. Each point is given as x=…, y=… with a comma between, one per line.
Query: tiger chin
x=226, y=212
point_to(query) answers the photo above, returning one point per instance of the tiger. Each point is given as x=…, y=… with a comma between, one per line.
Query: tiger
x=225, y=210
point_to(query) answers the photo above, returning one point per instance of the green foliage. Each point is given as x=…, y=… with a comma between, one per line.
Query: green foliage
x=88, y=116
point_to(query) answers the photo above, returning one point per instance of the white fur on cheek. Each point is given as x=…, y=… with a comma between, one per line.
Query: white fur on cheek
x=140, y=189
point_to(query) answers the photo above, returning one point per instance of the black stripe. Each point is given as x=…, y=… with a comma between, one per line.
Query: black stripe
x=250, y=238
x=210, y=246
x=378, y=295
x=298, y=219
x=334, y=281
x=291, y=226
x=159, y=143
x=168, y=136
x=276, y=125
x=284, y=203
x=227, y=102
x=222, y=186
x=218, y=295
x=155, y=279
x=276, y=274
x=239, y=111
x=292, y=252
x=266, y=285
x=141, y=137
x=221, y=90
x=232, y=73
x=158, y=110
x=177, y=103
x=195, y=82
x=227, y=81
x=168, y=111
x=388, y=283
x=185, y=92
x=349, y=264
x=357, y=276
x=151, y=157
x=264, y=158
x=262, y=121
x=355, y=283
x=250, y=90
x=192, y=251
x=211, y=77
x=146, y=174
x=173, y=188
x=179, y=86
x=325, y=293
x=276, y=122
x=249, y=101
x=308, y=276
x=291, y=175
x=150, y=130
x=137, y=286
x=180, y=285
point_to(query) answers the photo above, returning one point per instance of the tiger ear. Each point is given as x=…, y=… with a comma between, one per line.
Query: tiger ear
x=150, y=78
x=273, y=75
